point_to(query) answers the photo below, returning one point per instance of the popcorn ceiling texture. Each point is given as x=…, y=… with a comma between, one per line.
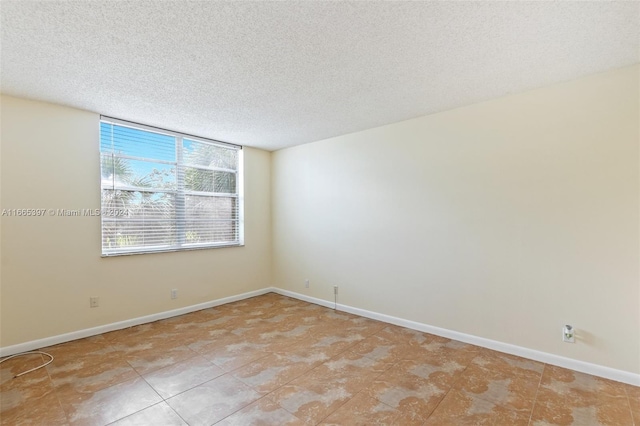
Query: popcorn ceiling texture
x=278, y=74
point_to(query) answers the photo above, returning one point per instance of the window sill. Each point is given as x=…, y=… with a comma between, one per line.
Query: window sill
x=168, y=250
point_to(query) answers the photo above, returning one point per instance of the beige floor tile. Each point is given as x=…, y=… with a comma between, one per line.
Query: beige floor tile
x=158, y=353
x=81, y=349
x=613, y=410
x=460, y=409
x=415, y=345
x=564, y=381
x=349, y=364
x=212, y=401
x=138, y=333
x=277, y=369
x=109, y=404
x=363, y=410
x=408, y=336
x=16, y=392
x=312, y=399
x=263, y=412
x=41, y=410
x=208, y=338
x=231, y=351
x=182, y=376
x=507, y=364
x=380, y=348
x=409, y=393
x=311, y=405
x=439, y=369
x=633, y=392
x=568, y=397
x=160, y=414
x=607, y=411
x=502, y=387
x=334, y=342
x=90, y=374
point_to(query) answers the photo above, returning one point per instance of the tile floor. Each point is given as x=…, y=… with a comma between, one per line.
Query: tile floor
x=272, y=360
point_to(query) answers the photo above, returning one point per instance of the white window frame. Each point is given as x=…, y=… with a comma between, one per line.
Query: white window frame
x=181, y=245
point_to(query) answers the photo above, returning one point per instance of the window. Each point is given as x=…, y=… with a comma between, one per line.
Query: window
x=166, y=191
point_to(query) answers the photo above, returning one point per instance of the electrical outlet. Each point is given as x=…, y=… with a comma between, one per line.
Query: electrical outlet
x=174, y=293
x=94, y=302
x=306, y=283
x=568, y=334
x=335, y=289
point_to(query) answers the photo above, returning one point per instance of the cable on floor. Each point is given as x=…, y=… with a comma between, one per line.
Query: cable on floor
x=30, y=353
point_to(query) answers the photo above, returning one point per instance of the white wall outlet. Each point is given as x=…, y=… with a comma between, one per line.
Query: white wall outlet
x=335, y=289
x=94, y=302
x=568, y=334
x=306, y=283
x=174, y=293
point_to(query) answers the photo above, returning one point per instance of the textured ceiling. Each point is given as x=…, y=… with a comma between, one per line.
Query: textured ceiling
x=277, y=74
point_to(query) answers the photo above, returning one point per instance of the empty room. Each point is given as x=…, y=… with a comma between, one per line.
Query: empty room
x=319, y=212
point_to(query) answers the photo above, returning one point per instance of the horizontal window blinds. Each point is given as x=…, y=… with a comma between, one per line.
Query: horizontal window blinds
x=164, y=191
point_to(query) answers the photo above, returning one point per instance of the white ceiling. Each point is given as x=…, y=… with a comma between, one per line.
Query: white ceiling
x=278, y=74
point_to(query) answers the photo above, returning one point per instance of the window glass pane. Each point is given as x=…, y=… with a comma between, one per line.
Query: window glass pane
x=209, y=181
x=200, y=207
x=106, y=133
x=159, y=234
x=117, y=171
x=120, y=204
x=199, y=232
x=116, y=200
x=137, y=142
x=130, y=233
x=207, y=155
x=153, y=205
x=115, y=235
x=113, y=167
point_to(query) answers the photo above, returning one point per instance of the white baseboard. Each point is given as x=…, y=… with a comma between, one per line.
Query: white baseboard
x=584, y=367
x=547, y=358
x=87, y=332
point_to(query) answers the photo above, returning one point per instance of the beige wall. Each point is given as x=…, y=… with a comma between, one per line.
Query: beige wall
x=503, y=220
x=52, y=265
